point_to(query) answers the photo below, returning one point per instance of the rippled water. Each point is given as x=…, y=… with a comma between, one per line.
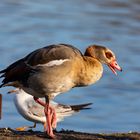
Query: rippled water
x=27, y=25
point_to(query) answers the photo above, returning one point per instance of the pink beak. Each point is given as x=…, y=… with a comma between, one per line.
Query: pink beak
x=114, y=66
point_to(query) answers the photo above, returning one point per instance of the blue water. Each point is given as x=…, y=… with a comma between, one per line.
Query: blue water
x=28, y=25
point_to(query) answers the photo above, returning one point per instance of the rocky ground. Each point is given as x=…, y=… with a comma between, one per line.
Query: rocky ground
x=10, y=134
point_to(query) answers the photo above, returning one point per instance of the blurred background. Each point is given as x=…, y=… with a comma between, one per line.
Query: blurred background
x=31, y=24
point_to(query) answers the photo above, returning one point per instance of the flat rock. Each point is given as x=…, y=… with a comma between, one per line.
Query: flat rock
x=10, y=134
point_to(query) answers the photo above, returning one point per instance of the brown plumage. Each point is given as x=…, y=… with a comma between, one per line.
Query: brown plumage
x=20, y=70
x=55, y=69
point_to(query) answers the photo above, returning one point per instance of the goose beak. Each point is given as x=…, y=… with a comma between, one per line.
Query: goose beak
x=114, y=66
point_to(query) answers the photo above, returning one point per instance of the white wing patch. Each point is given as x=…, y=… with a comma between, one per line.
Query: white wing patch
x=54, y=62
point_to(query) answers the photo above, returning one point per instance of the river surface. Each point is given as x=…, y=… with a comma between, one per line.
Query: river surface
x=28, y=25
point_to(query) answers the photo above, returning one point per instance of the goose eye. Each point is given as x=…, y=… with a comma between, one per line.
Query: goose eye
x=108, y=55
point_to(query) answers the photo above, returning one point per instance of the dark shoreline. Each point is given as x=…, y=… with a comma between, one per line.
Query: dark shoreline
x=10, y=134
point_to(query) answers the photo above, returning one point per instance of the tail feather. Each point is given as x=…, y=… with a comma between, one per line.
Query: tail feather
x=2, y=71
x=2, y=85
x=81, y=107
x=3, y=75
x=69, y=110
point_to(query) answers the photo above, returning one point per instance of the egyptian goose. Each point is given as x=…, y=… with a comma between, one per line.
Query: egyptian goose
x=55, y=69
x=34, y=112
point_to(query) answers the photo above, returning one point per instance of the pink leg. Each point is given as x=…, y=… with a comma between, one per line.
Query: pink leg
x=39, y=101
x=54, y=119
x=50, y=116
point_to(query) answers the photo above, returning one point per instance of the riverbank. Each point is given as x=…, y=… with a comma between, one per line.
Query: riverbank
x=10, y=134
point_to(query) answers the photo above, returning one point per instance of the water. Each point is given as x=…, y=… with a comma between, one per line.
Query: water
x=28, y=25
